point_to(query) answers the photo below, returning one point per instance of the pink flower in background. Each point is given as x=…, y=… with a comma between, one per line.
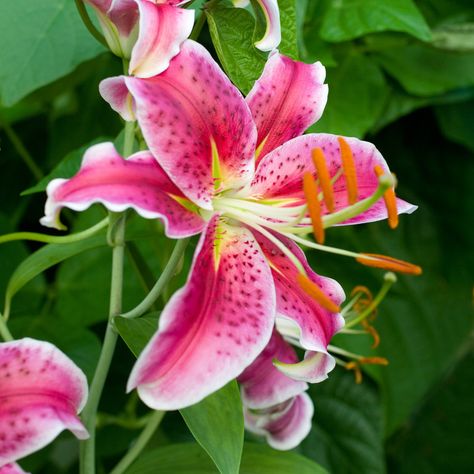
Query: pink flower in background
x=232, y=169
x=147, y=32
x=41, y=392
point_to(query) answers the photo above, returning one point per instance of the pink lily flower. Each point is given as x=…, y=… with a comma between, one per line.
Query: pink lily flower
x=232, y=169
x=275, y=406
x=41, y=392
x=147, y=32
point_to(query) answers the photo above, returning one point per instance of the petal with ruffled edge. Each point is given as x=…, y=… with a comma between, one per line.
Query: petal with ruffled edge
x=12, y=468
x=262, y=385
x=196, y=124
x=272, y=37
x=41, y=392
x=212, y=328
x=138, y=183
x=162, y=30
x=286, y=100
x=114, y=91
x=285, y=427
x=280, y=174
x=315, y=325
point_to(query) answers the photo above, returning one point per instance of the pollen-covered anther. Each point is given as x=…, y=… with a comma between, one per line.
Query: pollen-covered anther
x=357, y=372
x=324, y=178
x=355, y=365
x=390, y=200
x=372, y=331
x=310, y=190
x=388, y=263
x=348, y=165
x=313, y=290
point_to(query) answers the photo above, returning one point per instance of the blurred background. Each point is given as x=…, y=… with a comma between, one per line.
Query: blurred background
x=401, y=75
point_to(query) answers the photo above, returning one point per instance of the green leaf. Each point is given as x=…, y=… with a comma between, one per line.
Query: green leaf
x=232, y=33
x=418, y=68
x=346, y=437
x=457, y=122
x=357, y=91
x=348, y=19
x=41, y=41
x=217, y=424
x=191, y=459
x=217, y=421
x=289, y=29
x=137, y=332
x=45, y=258
x=455, y=37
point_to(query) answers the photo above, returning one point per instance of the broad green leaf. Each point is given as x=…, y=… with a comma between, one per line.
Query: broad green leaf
x=191, y=459
x=346, y=437
x=425, y=71
x=137, y=332
x=348, y=19
x=232, y=33
x=289, y=28
x=440, y=436
x=41, y=41
x=217, y=423
x=457, y=122
x=357, y=91
x=45, y=258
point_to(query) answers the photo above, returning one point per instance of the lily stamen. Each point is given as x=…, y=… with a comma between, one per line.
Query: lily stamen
x=390, y=200
x=319, y=161
x=313, y=290
x=347, y=159
x=310, y=190
x=388, y=263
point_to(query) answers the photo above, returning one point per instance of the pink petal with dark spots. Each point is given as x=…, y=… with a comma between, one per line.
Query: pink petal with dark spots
x=12, y=468
x=280, y=173
x=286, y=426
x=212, y=328
x=288, y=98
x=41, y=392
x=138, y=183
x=262, y=385
x=183, y=111
x=162, y=30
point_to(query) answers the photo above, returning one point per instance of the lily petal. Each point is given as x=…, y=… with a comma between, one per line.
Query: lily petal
x=286, y=427
x=315, y=325
x=12, y=468
x=212, y=328
x=272, y=37
x=280, y=173
x=41, y=392
x=196, y=124
x=162, y=30
x=262, y=385
x=138, y=183
x=288, y=98
x=114, y=91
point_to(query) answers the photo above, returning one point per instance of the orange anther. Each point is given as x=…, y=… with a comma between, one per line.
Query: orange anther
x=373, y=332
x=348, y=165
x=319, y=161
x=364, y=290
x=373, y=360
x=390, y=201
x=357, y=372
x=388, y=263
x=313, y=290
x=310, y=190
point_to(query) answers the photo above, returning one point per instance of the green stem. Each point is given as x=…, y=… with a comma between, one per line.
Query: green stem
x=22, y=151
x=4, y=331
x=129, y=137
x=108, y=348
x=55, y=239
x=165, y=277
x=140, y=443
x=88, y=23
x=198, y=26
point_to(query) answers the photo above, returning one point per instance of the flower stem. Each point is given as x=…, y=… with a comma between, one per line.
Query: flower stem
x=165, y=277
x=4, y=331
x=22, y=151
x=55, y=239
x=198, y=26
x=140, y=443
x=88, y=23
x=90, y=411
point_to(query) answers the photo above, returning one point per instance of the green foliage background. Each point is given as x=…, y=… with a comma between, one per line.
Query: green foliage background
x=401, y=73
